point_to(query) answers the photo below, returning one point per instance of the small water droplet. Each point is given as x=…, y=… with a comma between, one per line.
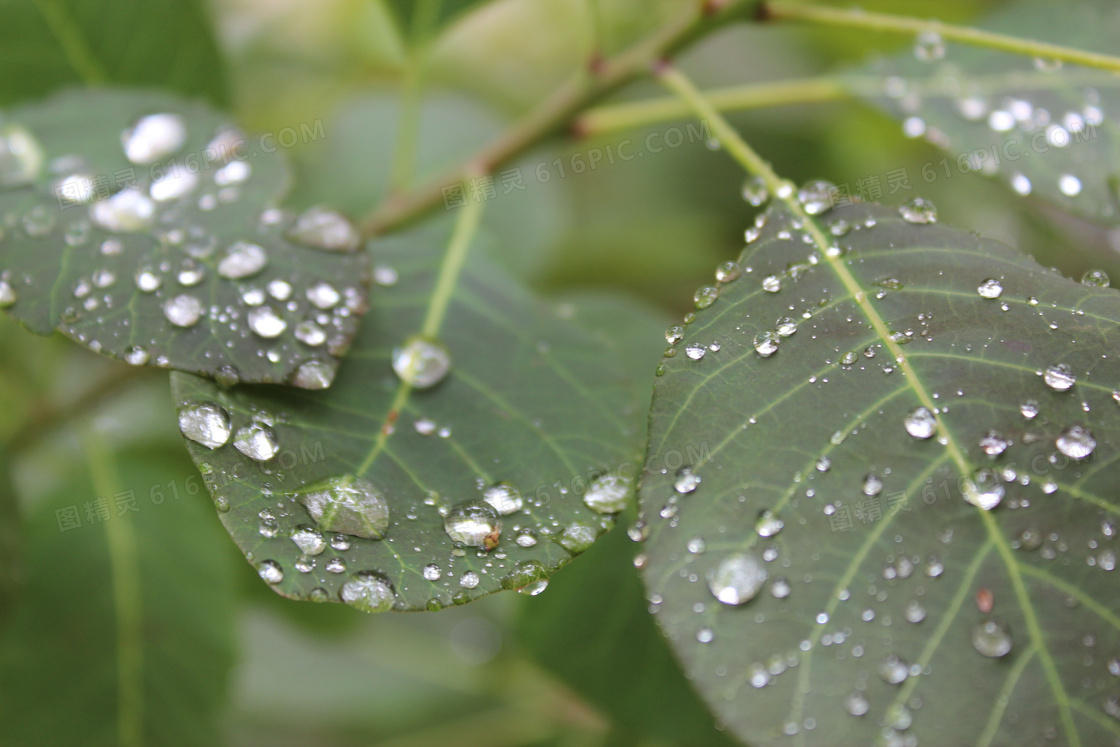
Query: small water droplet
x=608, y=494
x=983, y=489
x=768, y=524
x=705, y=296
x=920, y=423
x=183, y=310
x=1096, y=279
x=990, y=288
x=368, y=592
x=154, y=137
x=205, y=423
x=993, y=443
x=1076, y=442
x=929, y=46
x=674, y=334
x=766, y=343
x=918, y=210
x=856, y=704
x=737, y=579
x=473, y=523
x=322, y=228
x=816, y=196
x=256, y=441
x=686, y=481
x=755, y=191
x=504, y=497
x=772, y=284
x=894, y=670
x=1059, y=377
x=1069, y=185
x=242, y=260
x=264, y=321
x=270, y=572
x=991, y=638
x=422, y=362
x=577, y=537
x=728, y=272
x=128, y=211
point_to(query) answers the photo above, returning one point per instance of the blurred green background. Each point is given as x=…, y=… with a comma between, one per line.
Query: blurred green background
x=227, y=661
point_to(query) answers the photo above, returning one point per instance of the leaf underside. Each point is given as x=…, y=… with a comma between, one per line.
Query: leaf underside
x=1047, y=130
x=532, y=399
x=70, y=273
x=797, y=433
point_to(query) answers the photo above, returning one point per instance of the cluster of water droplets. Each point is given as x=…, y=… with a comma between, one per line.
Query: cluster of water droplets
x=151, y=238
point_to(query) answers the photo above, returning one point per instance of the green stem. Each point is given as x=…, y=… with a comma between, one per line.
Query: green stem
x=461, y=237
x=552, y=115
x=408, y=126
x=856, y=18
x=124, y=564
x=603, y=119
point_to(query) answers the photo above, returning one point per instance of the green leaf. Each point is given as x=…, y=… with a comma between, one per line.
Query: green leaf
x=531, y=399
x=167, y=44
x=125, y=624
x=592, y=629
x=1047, y=130
x=878, y=553
x=194, y=267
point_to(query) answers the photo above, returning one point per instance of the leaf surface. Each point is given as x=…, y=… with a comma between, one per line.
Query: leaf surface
x=531, y=399
x=882, y=582
x=1047, y=130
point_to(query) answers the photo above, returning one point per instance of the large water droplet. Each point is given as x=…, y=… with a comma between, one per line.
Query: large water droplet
x=174, y=185
x=309, y=540
x=323, y=295
x=242, y=260
x=266, y=322
x=1059, y=378
x=21, y=156
x=608, y=494
x=918, y=210
x=983, y=489
x=737, y=579
x=755, y=191
x=256, y=441
x=154, y=137
x=993, y=443
x=992, y=638
x=270, y=572
x=8, y=295
x=768, y=524
x=929, y=46
x=686, y=481
x=422, y=361
x=313, y=374
x=183, y=310
x=129, y=210
x=1096, y=279
x=205, y=423
x=1076, y=442
x=920, y=423
x=766, y=343
x=368, y=592
x=349, y=505
x=816, y=196
x=504, y=497
x=990, y=288
x=705, y=296
x=577, y=537
x=894, y=670
x=473, y=523
x=856, y=704
x=527, y=577
x=322, y=228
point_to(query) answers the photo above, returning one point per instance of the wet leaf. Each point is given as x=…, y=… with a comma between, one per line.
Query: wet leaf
x=532, y=404
x=822, y=567
x=1045, y=128
x=126, y=620
x=146, y=228
x=155, y=43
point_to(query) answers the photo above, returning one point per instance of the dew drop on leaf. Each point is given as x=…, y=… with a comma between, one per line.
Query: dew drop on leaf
x=705, y=296
x=154, y=137
x=737, y=579
x=686, y=481
x=205, y=423
x=471, y=523
x=576, y=538
x=816, y=196
x=1076, y=442
x=608, y=494
x=990, y=288
x=1059, y=377
x=1096, y=279
x=264, y=321
x=755, y=191
x=347, y=504
x=918, y=210
x=504, y=498
x=929, y=46
x=256, y=441
x=183, y=310
x=368, y=592
x=322, y=228
x=242, y=260
x=991, y=638
x=270, y=572
x=920, y=423
x=421, y=362
x=983, y=489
